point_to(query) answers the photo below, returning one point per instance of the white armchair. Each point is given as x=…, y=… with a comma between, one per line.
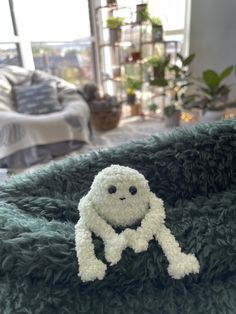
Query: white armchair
x=26, y=139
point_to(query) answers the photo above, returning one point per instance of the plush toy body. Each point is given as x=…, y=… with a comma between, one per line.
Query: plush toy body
x=120, y=196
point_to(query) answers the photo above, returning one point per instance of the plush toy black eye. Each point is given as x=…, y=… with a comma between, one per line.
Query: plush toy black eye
x=133, y=190
x=112, y=189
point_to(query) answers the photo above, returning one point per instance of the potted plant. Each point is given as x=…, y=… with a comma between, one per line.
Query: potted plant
x=114, y=24
x=172, y=115
x=111, y=2
x=159, y=65
x=152, y=107
x=132, y=85
x=141, y=13
x=157, y=28
x=177, y=85
x=212, y=95
x=136, y=56
x=135, y=52
x=105, y=110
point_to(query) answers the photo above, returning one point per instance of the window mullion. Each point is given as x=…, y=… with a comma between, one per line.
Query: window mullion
x=23, y=45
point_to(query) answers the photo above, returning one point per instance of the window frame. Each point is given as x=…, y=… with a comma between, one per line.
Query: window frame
x=25, y=53
x=23, y=45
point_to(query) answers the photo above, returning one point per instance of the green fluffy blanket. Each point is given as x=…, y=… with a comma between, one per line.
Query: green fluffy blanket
x=193, y=171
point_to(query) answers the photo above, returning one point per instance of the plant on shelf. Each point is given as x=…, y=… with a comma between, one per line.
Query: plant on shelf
x=177, y=85
x=132, y=85
x=212, y=95
x=141, y=13
x=159, y=65
x=152, y=107
x=114, y=24
x=157, y=28
x=111, y=2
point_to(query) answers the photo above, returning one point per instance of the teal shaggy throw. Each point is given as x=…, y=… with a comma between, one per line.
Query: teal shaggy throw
x=193, y=171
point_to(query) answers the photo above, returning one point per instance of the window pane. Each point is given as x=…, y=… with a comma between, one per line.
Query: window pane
x=171, y=12
x=70, y=61
x=9, y=54
x=47, y=20
x=5, y=20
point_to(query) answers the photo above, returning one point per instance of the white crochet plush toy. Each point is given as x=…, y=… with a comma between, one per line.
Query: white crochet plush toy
x=120, y=197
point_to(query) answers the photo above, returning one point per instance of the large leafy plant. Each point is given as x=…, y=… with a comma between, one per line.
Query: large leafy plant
x=180, y=76
x=212, y=91
x=178, y=83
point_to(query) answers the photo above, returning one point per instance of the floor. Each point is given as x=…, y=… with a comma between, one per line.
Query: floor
x=129, y=129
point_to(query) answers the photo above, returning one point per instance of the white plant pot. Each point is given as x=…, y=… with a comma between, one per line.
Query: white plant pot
x=212, y=115
x=174, y=120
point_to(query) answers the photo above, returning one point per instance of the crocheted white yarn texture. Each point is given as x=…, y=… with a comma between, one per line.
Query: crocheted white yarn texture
x=120, y=196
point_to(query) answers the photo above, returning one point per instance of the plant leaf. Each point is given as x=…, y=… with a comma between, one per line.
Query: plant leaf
x=180, y=56
x=189, y=59
x=226, y=73
x=207, y=91
x=185, y=85
x=211, y=78
x=175, y=68
x=223, y=90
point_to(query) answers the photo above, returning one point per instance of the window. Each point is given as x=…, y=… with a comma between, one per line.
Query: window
x=47, y=20
x=5, y=21
x=172, y=13
x=9, y=54
x=53, y=36
x=71, y=61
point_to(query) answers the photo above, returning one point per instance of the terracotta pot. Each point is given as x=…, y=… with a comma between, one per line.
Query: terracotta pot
x=136, y=56
x=136, y=110
x=212, y=115
x=157, y=33
x=174, y=120
x=115, y=35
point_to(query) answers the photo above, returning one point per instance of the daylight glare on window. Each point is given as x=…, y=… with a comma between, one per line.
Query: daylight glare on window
x=5, y=20
x=53, y=20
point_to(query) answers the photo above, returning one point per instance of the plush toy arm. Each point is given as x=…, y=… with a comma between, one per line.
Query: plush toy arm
x=114, y=243
x=94, y=222
x=90, y=268
x=138, y=239
x=180, y=264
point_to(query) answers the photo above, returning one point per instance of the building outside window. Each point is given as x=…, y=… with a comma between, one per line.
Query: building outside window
x=53, y=36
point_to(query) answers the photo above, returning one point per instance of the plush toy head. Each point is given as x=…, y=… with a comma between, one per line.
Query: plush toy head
x=120, y=195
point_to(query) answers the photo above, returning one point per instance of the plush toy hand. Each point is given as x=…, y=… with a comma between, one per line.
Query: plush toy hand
x=135, y=241
x=94, y=269
x=184, y=264
x=114, y=248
